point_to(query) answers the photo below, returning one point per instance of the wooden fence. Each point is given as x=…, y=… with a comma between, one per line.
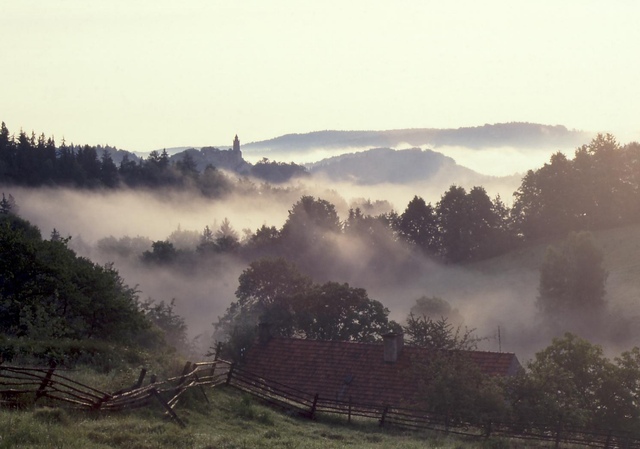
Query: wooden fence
x=22, y=385
x=309, y=405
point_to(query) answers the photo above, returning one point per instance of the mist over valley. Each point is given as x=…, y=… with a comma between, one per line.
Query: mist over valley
x=496, y=298
x=421, y=215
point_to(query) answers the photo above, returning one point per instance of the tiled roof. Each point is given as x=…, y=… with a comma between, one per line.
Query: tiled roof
x=341, y=370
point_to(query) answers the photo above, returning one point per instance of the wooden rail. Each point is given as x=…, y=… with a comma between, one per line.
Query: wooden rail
x=309, y=404
x=21, y=385
x=36, y=384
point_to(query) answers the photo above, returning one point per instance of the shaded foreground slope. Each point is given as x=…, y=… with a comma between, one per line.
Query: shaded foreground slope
x=230, y=421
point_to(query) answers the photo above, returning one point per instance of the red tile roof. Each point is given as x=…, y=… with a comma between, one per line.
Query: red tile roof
x=341, y=370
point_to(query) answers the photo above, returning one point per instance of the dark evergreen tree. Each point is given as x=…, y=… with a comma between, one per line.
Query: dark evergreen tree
x=187, y=166
x=89, y=175
x=130, y=171
x=265, y=242
x=68, y=168
x=163, y=252
x=453, y=221
x=163, y=161
x=226, y=238
x=55, y=236
x=108, y=171
x=5, y=205
x=419, y=226
x=7, y=153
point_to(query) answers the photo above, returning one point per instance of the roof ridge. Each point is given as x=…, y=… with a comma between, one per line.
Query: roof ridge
x=380, y=343
x=484, y=351
x=315, y=340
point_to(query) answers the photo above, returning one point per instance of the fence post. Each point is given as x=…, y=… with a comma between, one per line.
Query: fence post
x=487, y=429
x=349, y=416
x=627, y=441
x=558, y=430
x=204, y=393
x=167, y=408
x=138, y=384
x=185, y=371
x=46, y=381
x=313, y=406
x=384, y=415
x=608, y=442
x=230, y=373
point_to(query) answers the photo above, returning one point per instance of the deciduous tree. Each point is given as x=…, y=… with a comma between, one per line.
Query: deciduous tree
x=572, y=280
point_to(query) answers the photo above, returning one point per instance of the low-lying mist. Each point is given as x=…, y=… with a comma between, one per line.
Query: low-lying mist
x=501, y=161
x=493, y=301
x=492, y=161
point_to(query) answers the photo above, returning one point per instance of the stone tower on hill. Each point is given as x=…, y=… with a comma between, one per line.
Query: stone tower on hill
x=230, y=160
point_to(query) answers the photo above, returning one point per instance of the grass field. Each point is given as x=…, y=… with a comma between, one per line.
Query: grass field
x=230, y=421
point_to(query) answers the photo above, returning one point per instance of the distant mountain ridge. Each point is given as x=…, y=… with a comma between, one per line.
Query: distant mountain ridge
x=369, y=157
x=516, y=134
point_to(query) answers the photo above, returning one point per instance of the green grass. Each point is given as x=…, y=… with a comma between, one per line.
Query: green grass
x=230, y=421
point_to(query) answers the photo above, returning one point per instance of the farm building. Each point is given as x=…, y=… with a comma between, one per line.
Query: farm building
x=371, y=373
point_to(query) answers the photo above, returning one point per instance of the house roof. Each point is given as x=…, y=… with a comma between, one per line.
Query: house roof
x=341, y=370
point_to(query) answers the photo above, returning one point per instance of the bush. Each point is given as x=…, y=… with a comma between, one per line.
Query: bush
x=100, y=355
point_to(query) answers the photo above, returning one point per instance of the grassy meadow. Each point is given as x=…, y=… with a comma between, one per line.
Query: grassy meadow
x=231, y=420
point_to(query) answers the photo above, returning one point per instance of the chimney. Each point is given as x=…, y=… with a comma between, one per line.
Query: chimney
x=264, y=332
x=393, y=343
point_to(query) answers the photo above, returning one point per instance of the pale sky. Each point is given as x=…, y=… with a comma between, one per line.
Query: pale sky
x=150, y=74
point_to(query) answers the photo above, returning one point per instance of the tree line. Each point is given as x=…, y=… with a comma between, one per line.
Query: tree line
x=55, y=305
x=37, y=161
x=34, y=161
x=569, y=383
x=598, y=188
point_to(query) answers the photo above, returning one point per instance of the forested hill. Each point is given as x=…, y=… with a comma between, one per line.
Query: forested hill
x=385, y=165
x=36, y=161
x=524, y=135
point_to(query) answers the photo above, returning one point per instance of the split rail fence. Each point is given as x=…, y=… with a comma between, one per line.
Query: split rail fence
x=21, y=385
x=310, y=405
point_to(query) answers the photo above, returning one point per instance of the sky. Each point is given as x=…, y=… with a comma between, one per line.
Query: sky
x=150, y=74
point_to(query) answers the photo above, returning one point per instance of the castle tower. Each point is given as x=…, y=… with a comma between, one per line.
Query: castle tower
x=236, y=144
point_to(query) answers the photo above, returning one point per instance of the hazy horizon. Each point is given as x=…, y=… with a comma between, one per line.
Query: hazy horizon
x=146, y=75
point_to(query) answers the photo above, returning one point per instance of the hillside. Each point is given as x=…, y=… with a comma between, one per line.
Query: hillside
x=385, y=165
x=231, y=420
x=525, y=135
